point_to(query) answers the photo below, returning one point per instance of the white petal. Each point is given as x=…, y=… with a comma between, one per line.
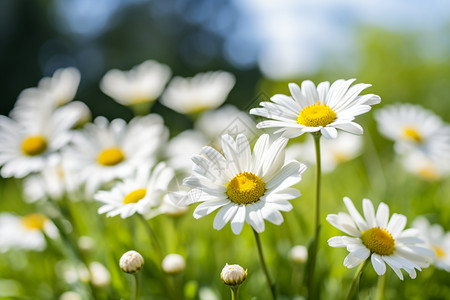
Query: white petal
x=343, y=222
x=286, y=177
x=355, y=214
x=369, y=213
x=396, y=224
x=342, y=241
x=378, y=264
x=361, y=253
x=208, y=207
x=351, y=261
x=244, y=153
x=351, y=127
x=329, y=132
x=224, y=215
x=394, y=266
x=382, y=215
x=237, y=223
x=271, y=214
x=254, y=217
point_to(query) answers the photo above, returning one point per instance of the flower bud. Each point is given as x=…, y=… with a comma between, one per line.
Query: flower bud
x=298, y=254
x=233, y=275
x=131, y=262
x=173, y=264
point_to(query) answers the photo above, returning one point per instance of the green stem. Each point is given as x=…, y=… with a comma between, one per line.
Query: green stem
x=153, y=238
x=355, y=281
x=234, y=292
x=134, y=287
x=263, y=264
x=380, y=287
x=315, y=245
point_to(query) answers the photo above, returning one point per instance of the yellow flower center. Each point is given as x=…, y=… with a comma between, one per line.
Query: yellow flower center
x=33, y=221
x=316, y=115
x=134, y=196
x=110, y=156
x=245, y=188
x=34, y=145
x=428, y=173
x=378, y=240
x=411, y=134
x=440, y=253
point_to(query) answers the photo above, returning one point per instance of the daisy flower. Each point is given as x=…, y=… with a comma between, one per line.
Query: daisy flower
x=60, y=89
x=25, y=232
x=247, y=187
x=379, y=238
x=412, y=127
x=143, y=83
x=31, y=137
x=437, y=240
x=105, y=151
x=139, y=193
x=333, y=152
x=430, y=168
x=202, y=92
x=323, y=109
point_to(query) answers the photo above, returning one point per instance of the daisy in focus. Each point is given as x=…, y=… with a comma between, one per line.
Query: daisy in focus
x=202, y=92
x=26, y=232
x=104, y=151
x=414, y=128
x=322, y=109
x=32, y=136
x=379, y=238
x=246, y=187
x=141, y=193
x=437, y=240
x=142, y=84
x=334, y=152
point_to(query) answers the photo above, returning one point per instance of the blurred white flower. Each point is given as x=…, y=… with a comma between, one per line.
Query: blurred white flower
x=28, y=140
x=414, y=128
x=173, y=264
x=246, y=187
x=104, y=151
x=298, y=254
x=321, y=109
x=100, y=276
x=380, y=239
x=54, y=182
x=226, y=120
x=140, y=193
x=60, y=89
x=426, y=167
x=437, y=240
x=180, y=148
x=143, y=83
x=345, y=147
x=26, y=232
x=202, y=92
x=70, y=296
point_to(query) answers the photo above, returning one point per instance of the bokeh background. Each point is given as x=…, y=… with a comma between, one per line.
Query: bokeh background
x=400, y=47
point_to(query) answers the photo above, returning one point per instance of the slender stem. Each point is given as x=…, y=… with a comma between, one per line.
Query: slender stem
x=263, y=264
x=234, y=292
x=134, y=287
x=380, y=287
x=153, y=238
x=315, y=245
x=356, y=279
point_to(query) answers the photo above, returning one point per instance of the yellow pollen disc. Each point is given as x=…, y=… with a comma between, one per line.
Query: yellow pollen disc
x=440, y=253
x=245, y=188
x=379, y=241
x=411, y=134
x=33, y=221
x=428, y=173
x=110, y=156
x=316, y=115
x=134, y=196
x=34, y=145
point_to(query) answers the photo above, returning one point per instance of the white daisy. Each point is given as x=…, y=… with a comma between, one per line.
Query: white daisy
x=54, y=182
x=430, y=168
x=59, y=89
x=382, y=240
x=28, y=140
x=333, y=152
x=323, y=109
x=226, y=120
x=437, y=240
x=25, y=232
x=143, y=83
x=140, y=193
x=412, y=127
x=246, y=187
x=202, y=92
x=105, y=151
